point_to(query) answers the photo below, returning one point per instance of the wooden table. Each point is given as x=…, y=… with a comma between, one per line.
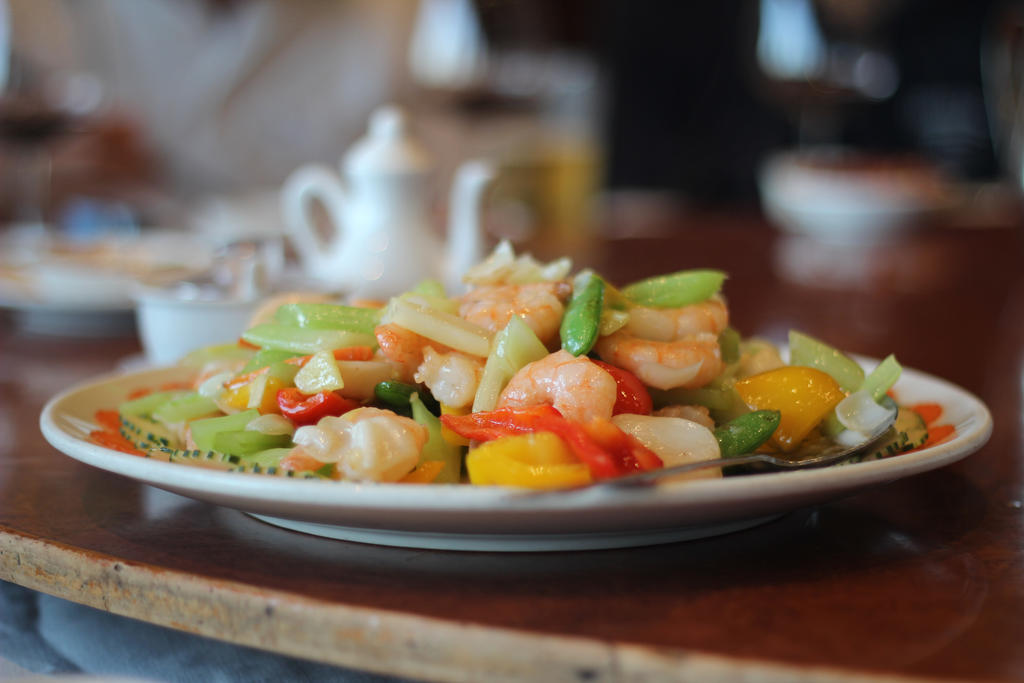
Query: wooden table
x=920, y=578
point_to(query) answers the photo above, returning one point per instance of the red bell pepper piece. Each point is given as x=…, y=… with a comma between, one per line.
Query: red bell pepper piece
x=305, y=409
x=603, y=464
x=632, y=396
x=636, y=456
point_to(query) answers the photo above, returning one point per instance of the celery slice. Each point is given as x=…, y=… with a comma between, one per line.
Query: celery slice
x=270, y=457
x=882, y=378
x=265, y=357
x=204, y=431
x=148, y=403
x=243, y=442
x=807, y=351
x=185, y=407
x=304, y=340
x=430, y=288
x=218, y=352
x=677, y=289
x=514, y=347
x=729, y=342
x=321, y=316
x=436, y=447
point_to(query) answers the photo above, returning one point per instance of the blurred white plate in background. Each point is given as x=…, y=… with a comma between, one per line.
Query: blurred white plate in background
x=57, y=286
x=841, y=196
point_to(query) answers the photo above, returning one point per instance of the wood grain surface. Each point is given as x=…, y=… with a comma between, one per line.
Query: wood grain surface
x=919, y=578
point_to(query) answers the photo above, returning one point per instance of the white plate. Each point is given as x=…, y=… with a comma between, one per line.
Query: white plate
x=462, y=517
x=54, y=286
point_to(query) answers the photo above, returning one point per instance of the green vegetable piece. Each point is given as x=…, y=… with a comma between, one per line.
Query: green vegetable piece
x=882, y=378
x=244, y=441
x=265, y=357
x=729, y=343
x=323, y=316
x=399, y=395
x=809, y=352
x=204, y=431
x=430, y=288
x=713, y=399
x=218, y=352
x=145, y=405
x=183, y=408
x=723, y=403
x=582, y=318
x=437, y=448
x=677, y=289
x=270, y=457
x=304, y=340
x=514, y=347
x=746, y=432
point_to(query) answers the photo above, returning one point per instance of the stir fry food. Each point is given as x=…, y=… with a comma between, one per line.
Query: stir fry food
x=534, y=377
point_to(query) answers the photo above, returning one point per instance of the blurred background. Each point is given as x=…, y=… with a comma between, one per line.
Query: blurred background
x=840, y=121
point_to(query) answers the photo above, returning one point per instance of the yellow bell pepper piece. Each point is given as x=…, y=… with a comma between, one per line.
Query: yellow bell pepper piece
x=540, y=460
x=803, y=397
x=447, y=434
x=260, y=392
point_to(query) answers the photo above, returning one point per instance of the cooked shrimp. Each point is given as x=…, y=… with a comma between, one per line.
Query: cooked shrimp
x=404, y=348
x=670, y=347
x=368, y=444
x=451, y=377
x=576, y=387
x=539, y=304
x=690, y=362
x=670, y=324
x=699, y=414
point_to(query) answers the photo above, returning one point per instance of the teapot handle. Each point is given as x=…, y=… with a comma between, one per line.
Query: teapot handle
x=309, y=183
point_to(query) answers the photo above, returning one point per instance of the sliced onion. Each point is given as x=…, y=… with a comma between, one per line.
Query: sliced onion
x=213, y=386
x=271, y=423
x=675, y=440
x=859, y=413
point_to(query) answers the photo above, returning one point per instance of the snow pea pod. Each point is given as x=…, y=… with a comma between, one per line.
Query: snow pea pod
x=582, y=318
x=746, y=432
x=399, y=394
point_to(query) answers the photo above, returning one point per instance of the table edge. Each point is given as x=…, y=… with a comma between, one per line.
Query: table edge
x=381, y=641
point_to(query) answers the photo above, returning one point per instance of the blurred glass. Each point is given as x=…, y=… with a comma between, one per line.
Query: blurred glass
x=1003, y=78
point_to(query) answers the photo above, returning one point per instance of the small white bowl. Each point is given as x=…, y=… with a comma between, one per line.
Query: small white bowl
x=845, y=197
x=171, y=326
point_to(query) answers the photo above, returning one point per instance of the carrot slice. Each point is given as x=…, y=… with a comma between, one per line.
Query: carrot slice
x=929, y=412
x=110, y=420
x=113, y=441
x=938, y=434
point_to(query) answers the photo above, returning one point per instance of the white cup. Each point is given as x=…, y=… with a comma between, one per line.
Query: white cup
x=170, y=326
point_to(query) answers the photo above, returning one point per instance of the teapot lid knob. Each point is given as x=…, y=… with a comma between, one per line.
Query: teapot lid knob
x=388, y=147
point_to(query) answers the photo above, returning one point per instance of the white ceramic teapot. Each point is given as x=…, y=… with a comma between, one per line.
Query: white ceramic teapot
x=382, y=240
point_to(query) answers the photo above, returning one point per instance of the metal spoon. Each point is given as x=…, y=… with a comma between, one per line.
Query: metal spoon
x=806, y=458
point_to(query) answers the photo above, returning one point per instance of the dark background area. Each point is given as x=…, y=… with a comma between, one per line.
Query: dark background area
x=689, y=110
